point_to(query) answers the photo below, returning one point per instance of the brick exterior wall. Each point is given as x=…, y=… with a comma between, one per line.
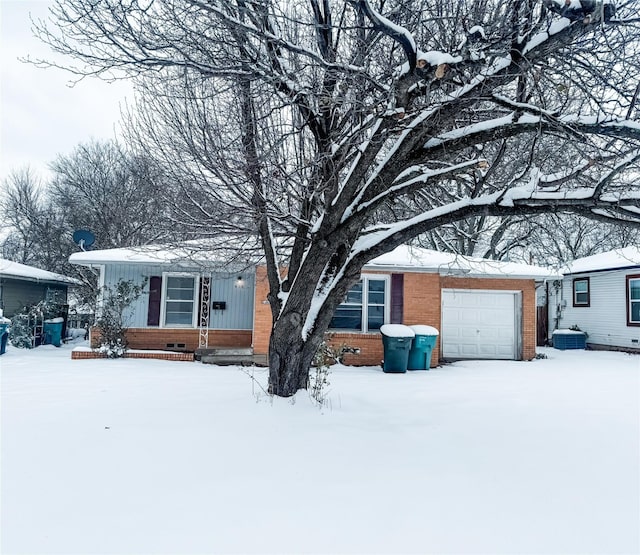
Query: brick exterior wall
x=159, y=338
x=422, y=305
x=261, y=313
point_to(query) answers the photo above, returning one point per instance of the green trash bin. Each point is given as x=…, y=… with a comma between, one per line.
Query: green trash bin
x=4, y=334
x=422, y=347
x=396, y=341
x=52, y=331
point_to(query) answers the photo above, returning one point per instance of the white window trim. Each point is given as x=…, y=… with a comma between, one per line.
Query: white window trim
x=631, y=302
x=196, y=298
x=365, y=303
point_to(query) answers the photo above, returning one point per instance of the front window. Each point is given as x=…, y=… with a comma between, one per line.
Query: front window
x=179, y=300
x=366, y=307
x=633, y=295
x=581, y=292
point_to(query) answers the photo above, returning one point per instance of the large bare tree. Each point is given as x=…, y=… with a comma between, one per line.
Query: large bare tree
x=334, y=131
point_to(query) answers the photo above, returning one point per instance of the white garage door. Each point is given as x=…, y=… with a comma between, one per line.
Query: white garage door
x=480, y=324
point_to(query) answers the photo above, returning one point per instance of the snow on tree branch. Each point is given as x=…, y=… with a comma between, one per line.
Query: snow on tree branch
x=335, y=131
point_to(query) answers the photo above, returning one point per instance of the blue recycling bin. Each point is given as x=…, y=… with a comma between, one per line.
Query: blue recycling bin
x=52, y=331
x=4, y=334
x=396, y=342
x=422, y=347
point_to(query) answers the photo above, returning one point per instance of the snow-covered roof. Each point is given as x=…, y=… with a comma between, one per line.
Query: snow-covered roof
x=611, y=260
x=418, y=259
x=402, y=257
x=15, y=270
x=189, y=254
x=136, y=255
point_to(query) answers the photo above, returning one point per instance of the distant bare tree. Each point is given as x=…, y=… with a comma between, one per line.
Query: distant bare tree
x=554, y=239
x=117, y=195
x=101, y=187
x=336, y=130
x=35, y=227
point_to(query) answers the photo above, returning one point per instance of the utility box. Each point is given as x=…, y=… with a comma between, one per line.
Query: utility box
x=569, y=339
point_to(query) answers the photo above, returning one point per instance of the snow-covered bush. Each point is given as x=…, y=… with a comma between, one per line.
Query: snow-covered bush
x=113, y=316
x=21, y=332
x=23, y=325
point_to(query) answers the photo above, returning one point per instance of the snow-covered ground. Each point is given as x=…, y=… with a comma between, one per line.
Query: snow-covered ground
x=150, y=457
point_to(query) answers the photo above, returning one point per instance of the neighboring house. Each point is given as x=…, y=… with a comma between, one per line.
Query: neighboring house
x=600, y=294
x=484, y=309
x=22, y=286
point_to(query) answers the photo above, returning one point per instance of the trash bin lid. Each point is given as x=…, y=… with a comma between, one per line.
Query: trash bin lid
x=424, y=330
x=396, y=330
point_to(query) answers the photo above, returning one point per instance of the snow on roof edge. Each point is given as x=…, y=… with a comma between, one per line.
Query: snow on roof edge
x=417, y=259
x=186, y=255
x=616, y=259
x=16, y=270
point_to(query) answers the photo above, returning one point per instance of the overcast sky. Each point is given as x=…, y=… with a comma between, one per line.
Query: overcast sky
x=41, y=116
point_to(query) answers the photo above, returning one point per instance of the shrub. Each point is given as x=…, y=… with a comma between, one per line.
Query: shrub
x=23, y=325
x=113, y=319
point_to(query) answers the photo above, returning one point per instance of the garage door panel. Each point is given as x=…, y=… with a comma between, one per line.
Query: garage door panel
x=488, y=336
x=468, y=333
x=486, y=351
x=478, y=324
x=467, y=349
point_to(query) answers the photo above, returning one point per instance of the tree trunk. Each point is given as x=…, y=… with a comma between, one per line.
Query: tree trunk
x=290, y=357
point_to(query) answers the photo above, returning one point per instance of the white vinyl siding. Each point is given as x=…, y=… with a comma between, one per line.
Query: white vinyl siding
x=605, y=320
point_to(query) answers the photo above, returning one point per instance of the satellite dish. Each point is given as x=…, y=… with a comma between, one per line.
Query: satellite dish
x=83, y=238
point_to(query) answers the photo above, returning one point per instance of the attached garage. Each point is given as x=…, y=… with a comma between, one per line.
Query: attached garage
x=481, y=324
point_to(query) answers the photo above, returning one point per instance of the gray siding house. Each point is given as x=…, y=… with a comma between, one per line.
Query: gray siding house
x=22, y=285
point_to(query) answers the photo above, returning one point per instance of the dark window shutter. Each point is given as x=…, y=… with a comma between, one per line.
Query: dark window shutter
x=155, y=298
x=397, y=298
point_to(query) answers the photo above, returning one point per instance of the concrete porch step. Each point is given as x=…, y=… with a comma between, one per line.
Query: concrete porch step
x=226, y=356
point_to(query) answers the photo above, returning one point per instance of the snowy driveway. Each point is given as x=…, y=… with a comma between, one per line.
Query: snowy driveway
x=138, y=456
